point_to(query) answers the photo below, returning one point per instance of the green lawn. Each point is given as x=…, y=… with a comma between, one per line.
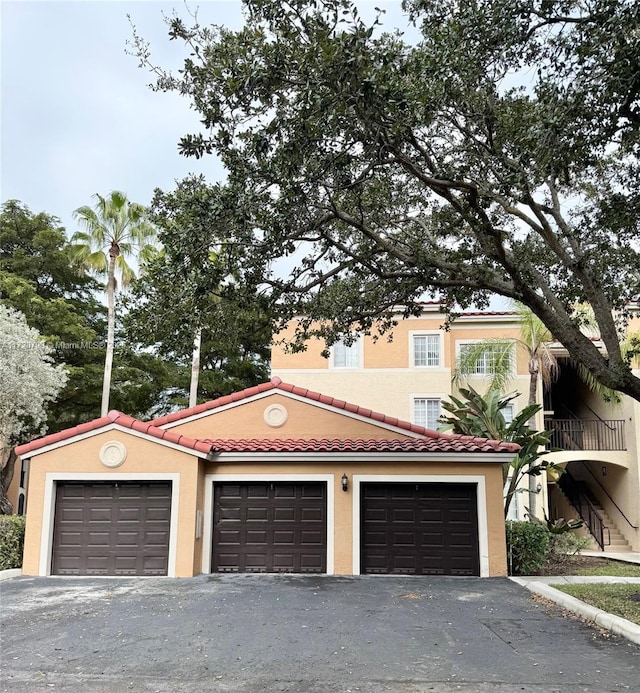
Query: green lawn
x=614, y=568
x=613, y=598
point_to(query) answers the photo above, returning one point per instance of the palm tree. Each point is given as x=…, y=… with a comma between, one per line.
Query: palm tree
x=483, y=416
x=114, y=230
x=534, y=341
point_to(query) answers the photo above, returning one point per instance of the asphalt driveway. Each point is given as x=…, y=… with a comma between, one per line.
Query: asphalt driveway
x=247, y=633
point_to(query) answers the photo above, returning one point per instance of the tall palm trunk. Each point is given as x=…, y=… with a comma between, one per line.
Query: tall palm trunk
x=195, y=368
x=111, y=329
x=534, y=369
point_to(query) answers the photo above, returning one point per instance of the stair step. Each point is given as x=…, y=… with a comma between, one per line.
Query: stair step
x=617, y=542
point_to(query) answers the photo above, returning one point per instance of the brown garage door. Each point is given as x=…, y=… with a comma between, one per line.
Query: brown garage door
x=111, y=528
x=419, y=529
x=270, y=527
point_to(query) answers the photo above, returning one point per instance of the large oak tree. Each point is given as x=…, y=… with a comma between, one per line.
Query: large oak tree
x=496, y=154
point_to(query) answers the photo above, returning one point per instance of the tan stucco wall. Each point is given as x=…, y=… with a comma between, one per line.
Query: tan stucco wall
x=305, y=420
x=387, y=381
x=392, y=350
x=143, y=457
x=387, y=469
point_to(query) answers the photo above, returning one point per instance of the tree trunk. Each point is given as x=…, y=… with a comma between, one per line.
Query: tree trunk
x=6, y=476
x=533, y=397
x=195, y=369
x=111, y=326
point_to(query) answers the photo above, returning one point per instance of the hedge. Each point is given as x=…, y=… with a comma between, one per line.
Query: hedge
x=11, y=541
x=527, y=547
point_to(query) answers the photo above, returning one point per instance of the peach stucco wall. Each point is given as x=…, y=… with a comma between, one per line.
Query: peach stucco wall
x=143, y=458
x=387, y=381
x=305, y=420
x=392, y=350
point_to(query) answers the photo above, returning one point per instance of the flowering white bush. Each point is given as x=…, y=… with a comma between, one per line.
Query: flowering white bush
x=28, y=379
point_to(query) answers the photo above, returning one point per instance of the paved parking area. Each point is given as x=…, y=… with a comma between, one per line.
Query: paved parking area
x=247, y=633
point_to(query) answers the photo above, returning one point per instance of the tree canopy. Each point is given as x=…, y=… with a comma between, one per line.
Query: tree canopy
x=28, y=381
x=39, y=278
x=496, y=154
x=235, y=325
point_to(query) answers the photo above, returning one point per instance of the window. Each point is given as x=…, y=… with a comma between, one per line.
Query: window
x=346, y=356
x=426, y=411
x=486, y=358
x=426, y=349
x=507, y=413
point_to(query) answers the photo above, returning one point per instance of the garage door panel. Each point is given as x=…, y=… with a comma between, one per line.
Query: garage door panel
x=432, y=539
x=419, y=528
x=93, y=539
x=258, y=491
x=71, y=539
x=111, y=528
x=229, y=536
x=129, y=515
x=431, y=514
x=311, y=538
x=281, y=491
x=256, y=537
x=256, y=514
x=308, y=491
x=284, y=514
x=230, y=513
x=102, y=514
x=127, y=539
x=281, y=527
x=281, y=537
x=311, y=515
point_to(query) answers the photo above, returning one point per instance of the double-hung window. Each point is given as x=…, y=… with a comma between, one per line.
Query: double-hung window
x=426, y=411
x=426, y=350
x=487, y=358
x=346, y=355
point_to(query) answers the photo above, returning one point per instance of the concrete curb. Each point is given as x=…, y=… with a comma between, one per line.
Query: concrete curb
x=11, y=573
x=601, y=618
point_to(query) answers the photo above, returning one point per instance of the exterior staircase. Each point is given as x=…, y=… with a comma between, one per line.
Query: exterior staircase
x=614, y=541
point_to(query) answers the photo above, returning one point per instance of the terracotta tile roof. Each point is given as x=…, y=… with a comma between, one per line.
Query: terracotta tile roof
x=277, y=384
x=116, y=417
x=215, y=403
x=442, y=443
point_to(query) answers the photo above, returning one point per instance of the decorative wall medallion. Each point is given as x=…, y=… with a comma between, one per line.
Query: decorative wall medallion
x=113, y=453
x=275, y=415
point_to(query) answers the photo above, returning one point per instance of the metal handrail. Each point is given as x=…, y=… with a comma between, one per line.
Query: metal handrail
x=586, y=434
x=604, y=490
x=586, y=509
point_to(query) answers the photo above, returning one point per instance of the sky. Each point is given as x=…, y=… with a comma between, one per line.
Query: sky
x=77, y=116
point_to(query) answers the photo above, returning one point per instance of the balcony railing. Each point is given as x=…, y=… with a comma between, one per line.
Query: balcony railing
x=586, y=434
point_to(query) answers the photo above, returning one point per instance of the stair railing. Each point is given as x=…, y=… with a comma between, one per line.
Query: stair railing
x=606, y=493
x=582, y=503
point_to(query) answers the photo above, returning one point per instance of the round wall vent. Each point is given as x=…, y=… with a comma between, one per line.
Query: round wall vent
x=275, y=415
x=113, y=453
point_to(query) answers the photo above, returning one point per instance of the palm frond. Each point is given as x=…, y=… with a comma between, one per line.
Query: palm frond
x=500, y=355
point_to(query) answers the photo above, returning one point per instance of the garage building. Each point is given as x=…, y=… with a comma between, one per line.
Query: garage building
x=271, y=479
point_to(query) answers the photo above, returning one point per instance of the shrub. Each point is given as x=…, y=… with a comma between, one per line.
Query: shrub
x=527, y=547
x=11, y=541
x=563, y=546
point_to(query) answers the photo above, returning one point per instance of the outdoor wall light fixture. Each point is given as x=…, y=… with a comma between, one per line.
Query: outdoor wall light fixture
x=538, y=487
x=604, y=471
x=345, y=482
